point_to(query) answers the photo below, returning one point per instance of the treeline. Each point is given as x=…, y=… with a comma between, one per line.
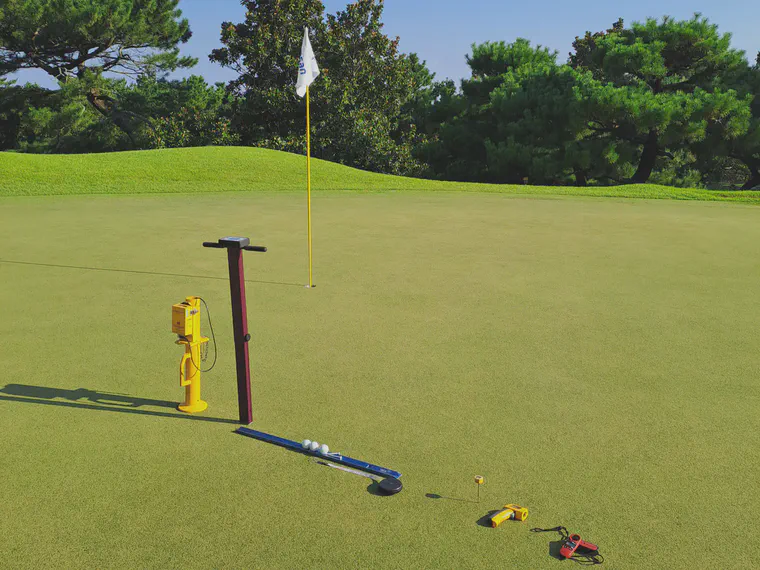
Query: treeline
x=662, y=101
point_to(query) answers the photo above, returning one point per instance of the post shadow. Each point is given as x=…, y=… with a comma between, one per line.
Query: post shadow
x=101, y=401
x=437, y=496
x=136, y=272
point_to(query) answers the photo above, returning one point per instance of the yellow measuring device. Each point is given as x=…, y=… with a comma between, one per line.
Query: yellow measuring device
x=509, y=512
x=186, y=324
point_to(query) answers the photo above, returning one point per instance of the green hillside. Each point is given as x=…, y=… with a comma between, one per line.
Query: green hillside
x=236, y=169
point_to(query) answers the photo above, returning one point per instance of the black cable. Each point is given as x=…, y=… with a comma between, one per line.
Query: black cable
x=213, y=337
x=588, y=559
x=560, y=529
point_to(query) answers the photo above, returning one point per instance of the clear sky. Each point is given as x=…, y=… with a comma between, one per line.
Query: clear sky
x=442, y=31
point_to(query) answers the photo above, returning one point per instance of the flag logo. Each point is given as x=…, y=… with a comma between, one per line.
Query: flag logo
x=308, y=70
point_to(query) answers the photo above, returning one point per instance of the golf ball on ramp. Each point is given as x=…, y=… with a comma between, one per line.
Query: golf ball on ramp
x=314, y=445
x=324, y=450
x=306, y=443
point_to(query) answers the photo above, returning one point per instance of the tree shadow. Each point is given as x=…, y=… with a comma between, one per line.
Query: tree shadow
x=101, y=401
x=84, y=268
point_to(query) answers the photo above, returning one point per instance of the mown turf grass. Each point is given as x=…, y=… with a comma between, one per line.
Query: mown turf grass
x=238, y=169
x=595, y=360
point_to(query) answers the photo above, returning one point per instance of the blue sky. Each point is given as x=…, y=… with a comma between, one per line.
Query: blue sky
x=442, y=31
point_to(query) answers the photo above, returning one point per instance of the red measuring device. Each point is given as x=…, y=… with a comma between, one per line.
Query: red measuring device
x=574, y=547
x=574, y=543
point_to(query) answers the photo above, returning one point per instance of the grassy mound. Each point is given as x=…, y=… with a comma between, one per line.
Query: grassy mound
x=236, y=169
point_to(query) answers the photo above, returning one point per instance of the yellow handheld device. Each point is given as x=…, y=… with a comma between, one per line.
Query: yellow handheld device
x=186, y=324
x=515, y=512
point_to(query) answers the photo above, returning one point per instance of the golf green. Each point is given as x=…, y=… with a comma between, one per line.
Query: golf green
x=594, y=359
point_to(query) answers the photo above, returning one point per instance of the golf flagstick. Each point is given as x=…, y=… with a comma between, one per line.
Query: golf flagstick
x=308, y=71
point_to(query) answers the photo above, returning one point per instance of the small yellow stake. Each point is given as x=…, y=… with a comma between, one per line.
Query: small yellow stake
x=186, y=323
x=479, y=480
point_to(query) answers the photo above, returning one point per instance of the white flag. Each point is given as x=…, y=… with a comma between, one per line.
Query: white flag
x=307, y=66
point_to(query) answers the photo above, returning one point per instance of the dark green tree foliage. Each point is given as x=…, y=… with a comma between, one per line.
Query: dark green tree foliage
x=264, y=51
x=458, y=152
x=585, y=49
x=631, y=104
x=15, y=100
x=731, y=135
x=358, y=100
x=538, y=113
x=658, y=130
x=670, y=80
x=745, y=149
x=539, y=117
x=491, y=61
x=417, y=111
x=66, y=38
x=63, y=121
x=424, y=112
x=156, y=97
x=662, y=101
x=368, y=82
x=82, y=39
x=519, y=116
x=185, y=112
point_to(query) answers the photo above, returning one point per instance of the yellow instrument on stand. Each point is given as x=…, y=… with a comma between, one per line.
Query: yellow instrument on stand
x=510, y=512
x=186, y=324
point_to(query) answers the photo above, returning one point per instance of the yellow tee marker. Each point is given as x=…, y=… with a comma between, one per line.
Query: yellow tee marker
x=479, y=480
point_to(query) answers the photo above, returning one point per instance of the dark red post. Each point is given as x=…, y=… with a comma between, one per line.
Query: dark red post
x=235, y=247
x=240, y=332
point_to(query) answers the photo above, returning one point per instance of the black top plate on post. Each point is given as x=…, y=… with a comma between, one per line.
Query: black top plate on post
x=235, y=242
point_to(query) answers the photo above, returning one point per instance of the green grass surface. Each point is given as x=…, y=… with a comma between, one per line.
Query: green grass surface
x=237, y=169
x=595, y=360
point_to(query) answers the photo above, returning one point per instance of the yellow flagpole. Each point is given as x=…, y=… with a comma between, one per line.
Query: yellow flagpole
x=308, y=179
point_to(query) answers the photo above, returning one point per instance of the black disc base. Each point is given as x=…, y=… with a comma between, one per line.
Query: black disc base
x=390, y=486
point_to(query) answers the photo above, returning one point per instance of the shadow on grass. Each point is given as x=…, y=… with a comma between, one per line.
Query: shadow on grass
x=374, y=489
x=485, y=520
x=437, y=496
x=82, y=268
x=101, y=401
x=554, y=547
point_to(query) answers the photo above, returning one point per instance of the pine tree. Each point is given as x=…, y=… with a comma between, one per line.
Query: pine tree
x=78, y=40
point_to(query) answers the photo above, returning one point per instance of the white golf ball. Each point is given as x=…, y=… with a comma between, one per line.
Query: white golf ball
x=314, y=445
x=306, y=443
x=324, y=450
